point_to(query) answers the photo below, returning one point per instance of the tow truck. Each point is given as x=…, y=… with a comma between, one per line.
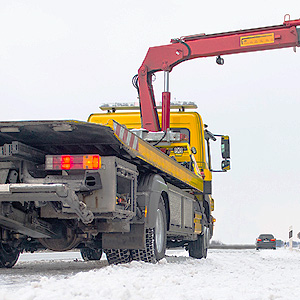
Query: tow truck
x=129, y=183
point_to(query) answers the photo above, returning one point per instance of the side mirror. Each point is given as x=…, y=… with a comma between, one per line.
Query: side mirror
x=225, y=147
x=225, y=165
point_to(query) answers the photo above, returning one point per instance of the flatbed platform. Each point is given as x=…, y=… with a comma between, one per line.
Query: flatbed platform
x=113, y=139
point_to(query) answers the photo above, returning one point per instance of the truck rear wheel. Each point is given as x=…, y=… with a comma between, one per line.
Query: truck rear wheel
x=118, y=256
x=90, y=254
x=198, y=248
x=8, y=256
x=156, y=238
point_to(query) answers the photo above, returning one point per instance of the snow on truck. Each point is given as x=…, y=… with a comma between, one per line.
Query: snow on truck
x=128, y=183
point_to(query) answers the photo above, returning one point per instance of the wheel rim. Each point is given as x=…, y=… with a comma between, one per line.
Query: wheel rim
x=159, y=231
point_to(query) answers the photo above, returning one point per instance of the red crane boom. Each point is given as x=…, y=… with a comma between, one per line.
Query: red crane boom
x=166, y=57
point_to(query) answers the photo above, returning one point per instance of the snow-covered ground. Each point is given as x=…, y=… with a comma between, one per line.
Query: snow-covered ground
x=225, y=274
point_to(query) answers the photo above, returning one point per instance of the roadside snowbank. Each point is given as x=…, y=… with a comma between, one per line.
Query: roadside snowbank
x=225, y=274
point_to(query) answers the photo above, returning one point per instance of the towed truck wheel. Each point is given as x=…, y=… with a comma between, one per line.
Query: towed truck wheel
x=156, y=238
x=8, y=256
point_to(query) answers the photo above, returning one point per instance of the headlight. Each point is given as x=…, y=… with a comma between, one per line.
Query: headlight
x=178, y=150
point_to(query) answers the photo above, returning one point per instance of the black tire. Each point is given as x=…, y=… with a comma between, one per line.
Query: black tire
x=8, y=256
x=198, y=248
x=156, y=238
x=88, y=254
x=160, y=231
x=118, y=256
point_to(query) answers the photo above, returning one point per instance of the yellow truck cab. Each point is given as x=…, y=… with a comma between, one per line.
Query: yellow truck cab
x=189, y=123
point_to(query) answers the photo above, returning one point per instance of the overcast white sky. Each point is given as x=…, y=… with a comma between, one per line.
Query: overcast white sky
x=62, y=59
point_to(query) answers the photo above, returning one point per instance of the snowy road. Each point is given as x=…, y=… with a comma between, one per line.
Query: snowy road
x=225, y=274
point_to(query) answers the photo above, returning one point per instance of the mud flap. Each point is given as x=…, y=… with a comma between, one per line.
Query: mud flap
x=135, y=239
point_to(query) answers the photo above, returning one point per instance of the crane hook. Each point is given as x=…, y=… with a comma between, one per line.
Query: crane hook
x=220, y=60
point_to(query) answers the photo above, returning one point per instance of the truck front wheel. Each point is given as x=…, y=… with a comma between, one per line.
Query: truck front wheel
x=198, y=248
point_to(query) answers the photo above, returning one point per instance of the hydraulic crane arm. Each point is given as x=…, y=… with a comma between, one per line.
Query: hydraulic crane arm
x=166, y=57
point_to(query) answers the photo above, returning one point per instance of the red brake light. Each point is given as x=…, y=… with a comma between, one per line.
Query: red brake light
x=259, y=240
x=272, y=240
x=73, y=162
x=66, y=161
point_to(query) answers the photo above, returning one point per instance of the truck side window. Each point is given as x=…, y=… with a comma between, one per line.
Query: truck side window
x=207, y=153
